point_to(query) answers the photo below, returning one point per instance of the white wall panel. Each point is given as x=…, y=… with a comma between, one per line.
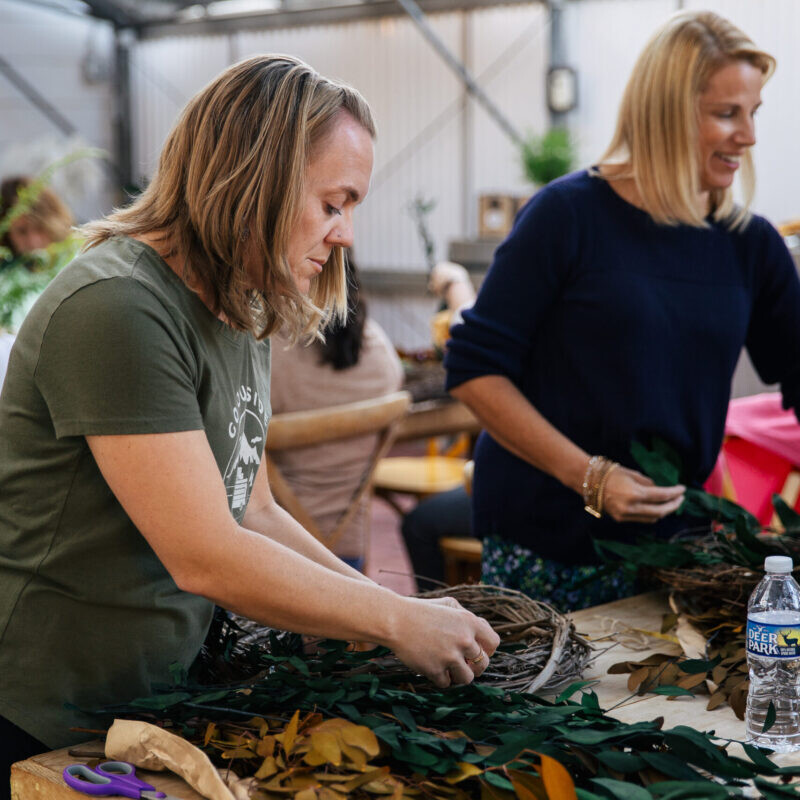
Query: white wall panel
x=49, y=49
x=165, y=73
x=603, y=39
x=774, y=25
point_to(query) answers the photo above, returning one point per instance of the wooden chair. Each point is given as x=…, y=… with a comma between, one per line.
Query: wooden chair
x=438, y=471
x=462, y=554
x=296, y=429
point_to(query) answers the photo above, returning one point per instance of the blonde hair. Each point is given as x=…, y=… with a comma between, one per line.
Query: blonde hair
x=230, y=181
x=657, y=131
x=48, y=212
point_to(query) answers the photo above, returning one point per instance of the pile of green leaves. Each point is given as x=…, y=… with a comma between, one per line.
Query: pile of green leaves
x=731, y=538
x=451, y=744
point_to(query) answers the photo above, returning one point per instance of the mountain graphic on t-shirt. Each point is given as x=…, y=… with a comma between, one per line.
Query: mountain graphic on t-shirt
x=247, y=453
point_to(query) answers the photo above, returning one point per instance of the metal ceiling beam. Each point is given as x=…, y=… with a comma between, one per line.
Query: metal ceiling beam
x=114, y=13
x=325, y=15
x=418, y=18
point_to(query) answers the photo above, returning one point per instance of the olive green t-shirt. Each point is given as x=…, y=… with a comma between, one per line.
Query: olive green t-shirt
x=89, y=616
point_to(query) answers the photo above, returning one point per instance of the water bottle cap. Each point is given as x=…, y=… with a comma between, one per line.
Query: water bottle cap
x=781, y=564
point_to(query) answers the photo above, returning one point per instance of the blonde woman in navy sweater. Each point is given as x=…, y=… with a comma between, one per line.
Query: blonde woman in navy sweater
x=616, y=311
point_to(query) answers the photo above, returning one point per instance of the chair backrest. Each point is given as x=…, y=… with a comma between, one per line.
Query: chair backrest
x=297, y=429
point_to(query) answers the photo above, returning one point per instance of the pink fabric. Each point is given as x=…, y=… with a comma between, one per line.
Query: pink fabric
x=761, y=419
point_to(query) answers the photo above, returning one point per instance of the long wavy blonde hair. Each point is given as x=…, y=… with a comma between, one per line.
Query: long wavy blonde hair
x=657, y=127
x=230, y=182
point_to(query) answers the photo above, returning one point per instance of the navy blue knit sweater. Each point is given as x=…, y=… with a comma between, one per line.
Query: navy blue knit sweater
x=616, y=329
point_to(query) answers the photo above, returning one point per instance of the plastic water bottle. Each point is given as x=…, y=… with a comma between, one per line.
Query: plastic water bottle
x=773, y=656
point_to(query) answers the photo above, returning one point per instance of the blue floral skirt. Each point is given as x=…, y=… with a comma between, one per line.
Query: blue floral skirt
x=566, y=587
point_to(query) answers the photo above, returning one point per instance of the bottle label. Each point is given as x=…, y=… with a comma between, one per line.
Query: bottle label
x=773, y=641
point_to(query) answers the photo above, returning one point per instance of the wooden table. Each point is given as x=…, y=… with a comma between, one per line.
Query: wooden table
x=645, y=612
x=39, y=778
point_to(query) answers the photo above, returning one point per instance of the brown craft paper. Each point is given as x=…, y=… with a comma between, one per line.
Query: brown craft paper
x=150, y=747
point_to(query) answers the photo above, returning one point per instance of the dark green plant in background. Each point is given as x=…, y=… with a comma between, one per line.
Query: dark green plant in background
x=545, y=158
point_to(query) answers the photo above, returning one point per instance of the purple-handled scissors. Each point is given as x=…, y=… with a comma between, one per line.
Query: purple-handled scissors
x=111, y=778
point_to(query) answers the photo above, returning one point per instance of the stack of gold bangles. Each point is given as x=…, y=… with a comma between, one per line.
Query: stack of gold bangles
x=594, y=484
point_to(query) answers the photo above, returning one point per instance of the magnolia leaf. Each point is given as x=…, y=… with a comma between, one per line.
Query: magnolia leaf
x=692, y=681
x=637, y=678
x=362, y=737
x=265, y=746
x=716, y=700
x=527, y=786
x=489, y=792
x=267, y=769
x=621, y=762
x=769, y=720
x=367, y=777
x=324, y=750
x=405, y=716
x=572, y=689
x=623, y=791
x=211, y=732
x=238, y=752
x=693, y=666
x=161, y=701
x=557, y=782
x=306, y=794
x=462, y=771
x=290, y=733
x=355, y=755
x=668, y=622
x=498, y=780
x=789, y=518
x=688, y=790
x=656, y=463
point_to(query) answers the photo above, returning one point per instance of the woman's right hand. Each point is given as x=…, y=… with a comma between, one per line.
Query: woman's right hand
x=630, y=496
x=442, y=640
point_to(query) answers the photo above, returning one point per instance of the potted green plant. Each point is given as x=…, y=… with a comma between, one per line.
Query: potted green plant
x=545, y=158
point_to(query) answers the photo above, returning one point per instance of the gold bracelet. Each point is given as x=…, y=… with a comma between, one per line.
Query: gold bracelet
x=602, y=488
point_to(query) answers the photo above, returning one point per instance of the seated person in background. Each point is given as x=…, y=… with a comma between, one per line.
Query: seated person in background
x=448, y=513
x=356, y=362
x=28, y=260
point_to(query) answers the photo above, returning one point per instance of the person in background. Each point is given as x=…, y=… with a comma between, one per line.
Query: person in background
x=616, y=311
x=133, y=492
x=34, y=246
x=355, y=362
x=48, y=219
x=448, y=513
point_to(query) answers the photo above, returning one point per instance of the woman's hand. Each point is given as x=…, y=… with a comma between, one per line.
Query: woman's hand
x=443, y=641
x=630, y=496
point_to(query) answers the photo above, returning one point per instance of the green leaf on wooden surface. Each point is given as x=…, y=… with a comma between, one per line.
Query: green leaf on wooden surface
x=672, y=691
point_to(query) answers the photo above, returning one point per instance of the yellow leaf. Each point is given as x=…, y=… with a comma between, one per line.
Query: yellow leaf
x=327, y=793
x=265, y=746
x=267, y=769
x=306, y=794
x=527, y=786
x=557, y=782
x=367, y=777
x=360, y=736
x=325, y=745
x=291, y=732
x=238, y=752
x=356, y=756
x=463, y=771
x=211, y=732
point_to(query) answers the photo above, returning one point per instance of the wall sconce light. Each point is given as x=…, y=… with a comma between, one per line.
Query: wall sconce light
x=562, y=89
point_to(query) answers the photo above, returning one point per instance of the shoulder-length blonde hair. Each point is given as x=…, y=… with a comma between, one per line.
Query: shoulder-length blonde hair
x=230, y=183
x=657, y=126
x=48, y=212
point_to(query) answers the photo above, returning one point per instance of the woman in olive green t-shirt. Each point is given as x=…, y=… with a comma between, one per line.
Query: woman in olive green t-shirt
x=133, y=494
